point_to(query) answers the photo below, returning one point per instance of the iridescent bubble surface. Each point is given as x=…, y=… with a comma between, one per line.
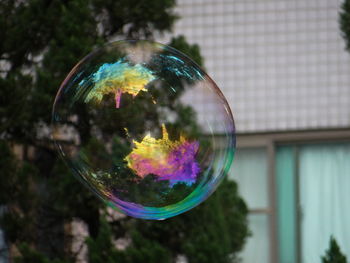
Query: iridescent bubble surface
x=127, y=121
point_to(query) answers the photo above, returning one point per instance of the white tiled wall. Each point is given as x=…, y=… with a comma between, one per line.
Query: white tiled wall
x=281, y=64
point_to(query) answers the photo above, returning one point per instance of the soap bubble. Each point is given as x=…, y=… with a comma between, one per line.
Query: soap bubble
x=145, y=128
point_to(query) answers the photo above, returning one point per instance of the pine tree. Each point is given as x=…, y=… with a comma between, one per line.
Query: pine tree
x=334, y=254
x=344, y=22
x=40, y=42
x=212, y=232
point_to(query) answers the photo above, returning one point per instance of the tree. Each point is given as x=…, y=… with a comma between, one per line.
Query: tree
x=212, y=232
x=40, y=42
x=333, y=254
x=344, y=22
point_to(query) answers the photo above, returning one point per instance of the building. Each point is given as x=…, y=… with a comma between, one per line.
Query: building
x=283, y=67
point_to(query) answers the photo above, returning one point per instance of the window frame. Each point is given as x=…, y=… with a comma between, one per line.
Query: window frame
x=272, y=140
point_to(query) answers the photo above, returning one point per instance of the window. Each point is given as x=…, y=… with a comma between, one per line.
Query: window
x=250, y=172
x=313, y=183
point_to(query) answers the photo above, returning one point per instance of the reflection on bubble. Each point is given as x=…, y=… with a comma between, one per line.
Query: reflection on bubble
x=173, y=161
x=126, y=121
x=117, y=78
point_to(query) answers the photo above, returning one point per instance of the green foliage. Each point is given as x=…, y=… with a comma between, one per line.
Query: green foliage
x=102, y=250
x=17, y=194
x=180, y=43
x=40, y=42
x=212, y=232
x=32, y=256
x=142, y=18
x=334, y=254
x=344, y=21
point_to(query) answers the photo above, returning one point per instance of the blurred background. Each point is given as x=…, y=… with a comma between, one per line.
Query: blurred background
x=284, y=69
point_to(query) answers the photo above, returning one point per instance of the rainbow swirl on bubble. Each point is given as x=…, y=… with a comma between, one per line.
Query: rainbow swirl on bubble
x=168, y=160
x=118, y=78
